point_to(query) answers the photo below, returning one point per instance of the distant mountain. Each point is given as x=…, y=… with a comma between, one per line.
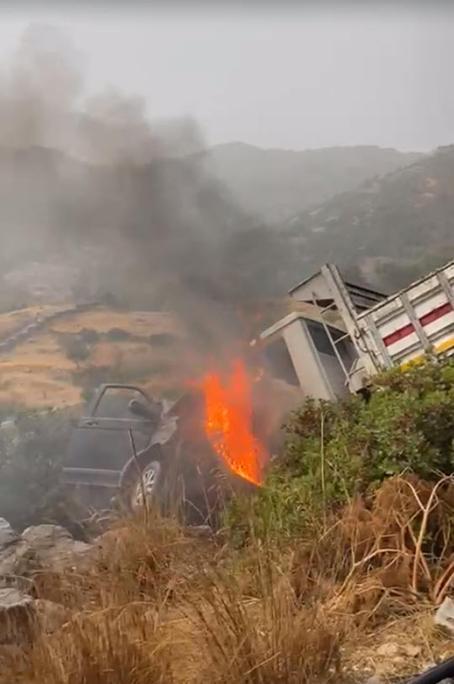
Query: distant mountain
x=161, y=235
x=387, y=232
x=275, y=183
x=170, y=235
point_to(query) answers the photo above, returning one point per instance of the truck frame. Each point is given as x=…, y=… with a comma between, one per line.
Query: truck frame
x=341, y=334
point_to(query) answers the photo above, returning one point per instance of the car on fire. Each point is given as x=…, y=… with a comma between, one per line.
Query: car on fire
x=129, y=448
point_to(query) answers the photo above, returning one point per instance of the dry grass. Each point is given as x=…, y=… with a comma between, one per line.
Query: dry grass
x=267, y=637
x=399, y=550
x=125, y=644
x=160, y=605
x=37, y=373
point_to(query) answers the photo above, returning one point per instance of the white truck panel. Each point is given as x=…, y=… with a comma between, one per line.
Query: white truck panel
x=435, y=299
x=406, y=344
x=390, y=326
x=408, y=324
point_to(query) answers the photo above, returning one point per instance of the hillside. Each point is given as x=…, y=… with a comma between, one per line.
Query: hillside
x=275, y=183
x=157, y=235
x=390, y=230
x=70, y=352
x=168, y=235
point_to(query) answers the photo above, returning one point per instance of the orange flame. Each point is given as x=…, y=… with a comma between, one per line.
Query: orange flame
x=228, y=422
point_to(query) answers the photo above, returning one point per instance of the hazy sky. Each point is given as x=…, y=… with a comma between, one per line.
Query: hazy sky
x=287, y=77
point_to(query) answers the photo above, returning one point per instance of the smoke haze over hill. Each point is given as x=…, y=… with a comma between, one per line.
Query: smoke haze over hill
x=102, y=201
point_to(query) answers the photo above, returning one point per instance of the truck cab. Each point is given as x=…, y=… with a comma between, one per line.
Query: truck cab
x=340, y=334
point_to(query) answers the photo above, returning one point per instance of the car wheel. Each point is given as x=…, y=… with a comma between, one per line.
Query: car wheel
x=144, y=485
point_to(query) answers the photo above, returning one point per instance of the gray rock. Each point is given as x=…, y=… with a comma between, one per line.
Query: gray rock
x=15, y=563
x=54, y=547
x=23, y=618
x=42, y=547
x=10, y=598
x=17, y=617
x=445, y=614
x=15, y=556
x=7, y=535
x=46, y=536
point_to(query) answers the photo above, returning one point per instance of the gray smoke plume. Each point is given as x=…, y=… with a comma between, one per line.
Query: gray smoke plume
x=123, y=206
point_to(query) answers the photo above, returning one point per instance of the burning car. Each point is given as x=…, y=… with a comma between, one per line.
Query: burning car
x=186, y=457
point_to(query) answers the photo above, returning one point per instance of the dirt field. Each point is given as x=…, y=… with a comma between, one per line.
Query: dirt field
x=40, y=372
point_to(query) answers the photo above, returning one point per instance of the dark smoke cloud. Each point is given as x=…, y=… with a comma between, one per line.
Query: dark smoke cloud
x=124, y=206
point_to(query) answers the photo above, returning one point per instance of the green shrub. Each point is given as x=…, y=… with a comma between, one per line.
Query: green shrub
x=406, y=425
x=75, y=347
x=335, y=451
x=31, y=453
x=89, y=336
x=117, y=335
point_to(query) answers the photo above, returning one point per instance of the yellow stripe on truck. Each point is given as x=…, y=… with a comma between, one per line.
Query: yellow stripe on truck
x=444, y=346
x=438, y=349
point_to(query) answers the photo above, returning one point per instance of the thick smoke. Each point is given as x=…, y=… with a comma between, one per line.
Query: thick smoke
x=122, y=206
x=43, y=104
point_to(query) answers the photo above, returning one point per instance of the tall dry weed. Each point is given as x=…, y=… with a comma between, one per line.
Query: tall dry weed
x=160, y=605
x=266, y=636
x=124, y=645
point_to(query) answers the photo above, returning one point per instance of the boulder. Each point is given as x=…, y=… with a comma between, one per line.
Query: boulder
x=41, y=547
x=17, y=616
x=445, y=614
x=15, y=557
x=7, y=535
x=22, y=618
x=55, y=549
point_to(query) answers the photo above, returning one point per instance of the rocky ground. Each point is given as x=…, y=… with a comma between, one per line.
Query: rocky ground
x=22, y=559
x=32, y=564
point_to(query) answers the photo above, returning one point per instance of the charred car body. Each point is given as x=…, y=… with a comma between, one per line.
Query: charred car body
x=129, y=447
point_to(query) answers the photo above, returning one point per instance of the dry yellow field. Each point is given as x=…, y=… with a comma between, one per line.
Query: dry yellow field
x=39, y=373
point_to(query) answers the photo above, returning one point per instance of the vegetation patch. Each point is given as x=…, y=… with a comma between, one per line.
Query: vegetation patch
x=349, y=540
x=31, y=452
x=117, y=335
x=338, y=451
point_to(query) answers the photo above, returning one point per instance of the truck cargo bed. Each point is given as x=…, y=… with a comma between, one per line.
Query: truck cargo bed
x=412, y=322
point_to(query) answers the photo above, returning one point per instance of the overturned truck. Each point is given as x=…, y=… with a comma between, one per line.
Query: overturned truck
x=340, y=334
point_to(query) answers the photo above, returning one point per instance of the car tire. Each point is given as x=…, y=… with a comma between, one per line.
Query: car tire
x=143, y=485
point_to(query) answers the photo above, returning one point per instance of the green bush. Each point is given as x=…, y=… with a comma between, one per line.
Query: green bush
x=75, y=347
x=336, y=451
x=407, y=425
x=117, y=335
x=88, y=336
x=31, y=453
